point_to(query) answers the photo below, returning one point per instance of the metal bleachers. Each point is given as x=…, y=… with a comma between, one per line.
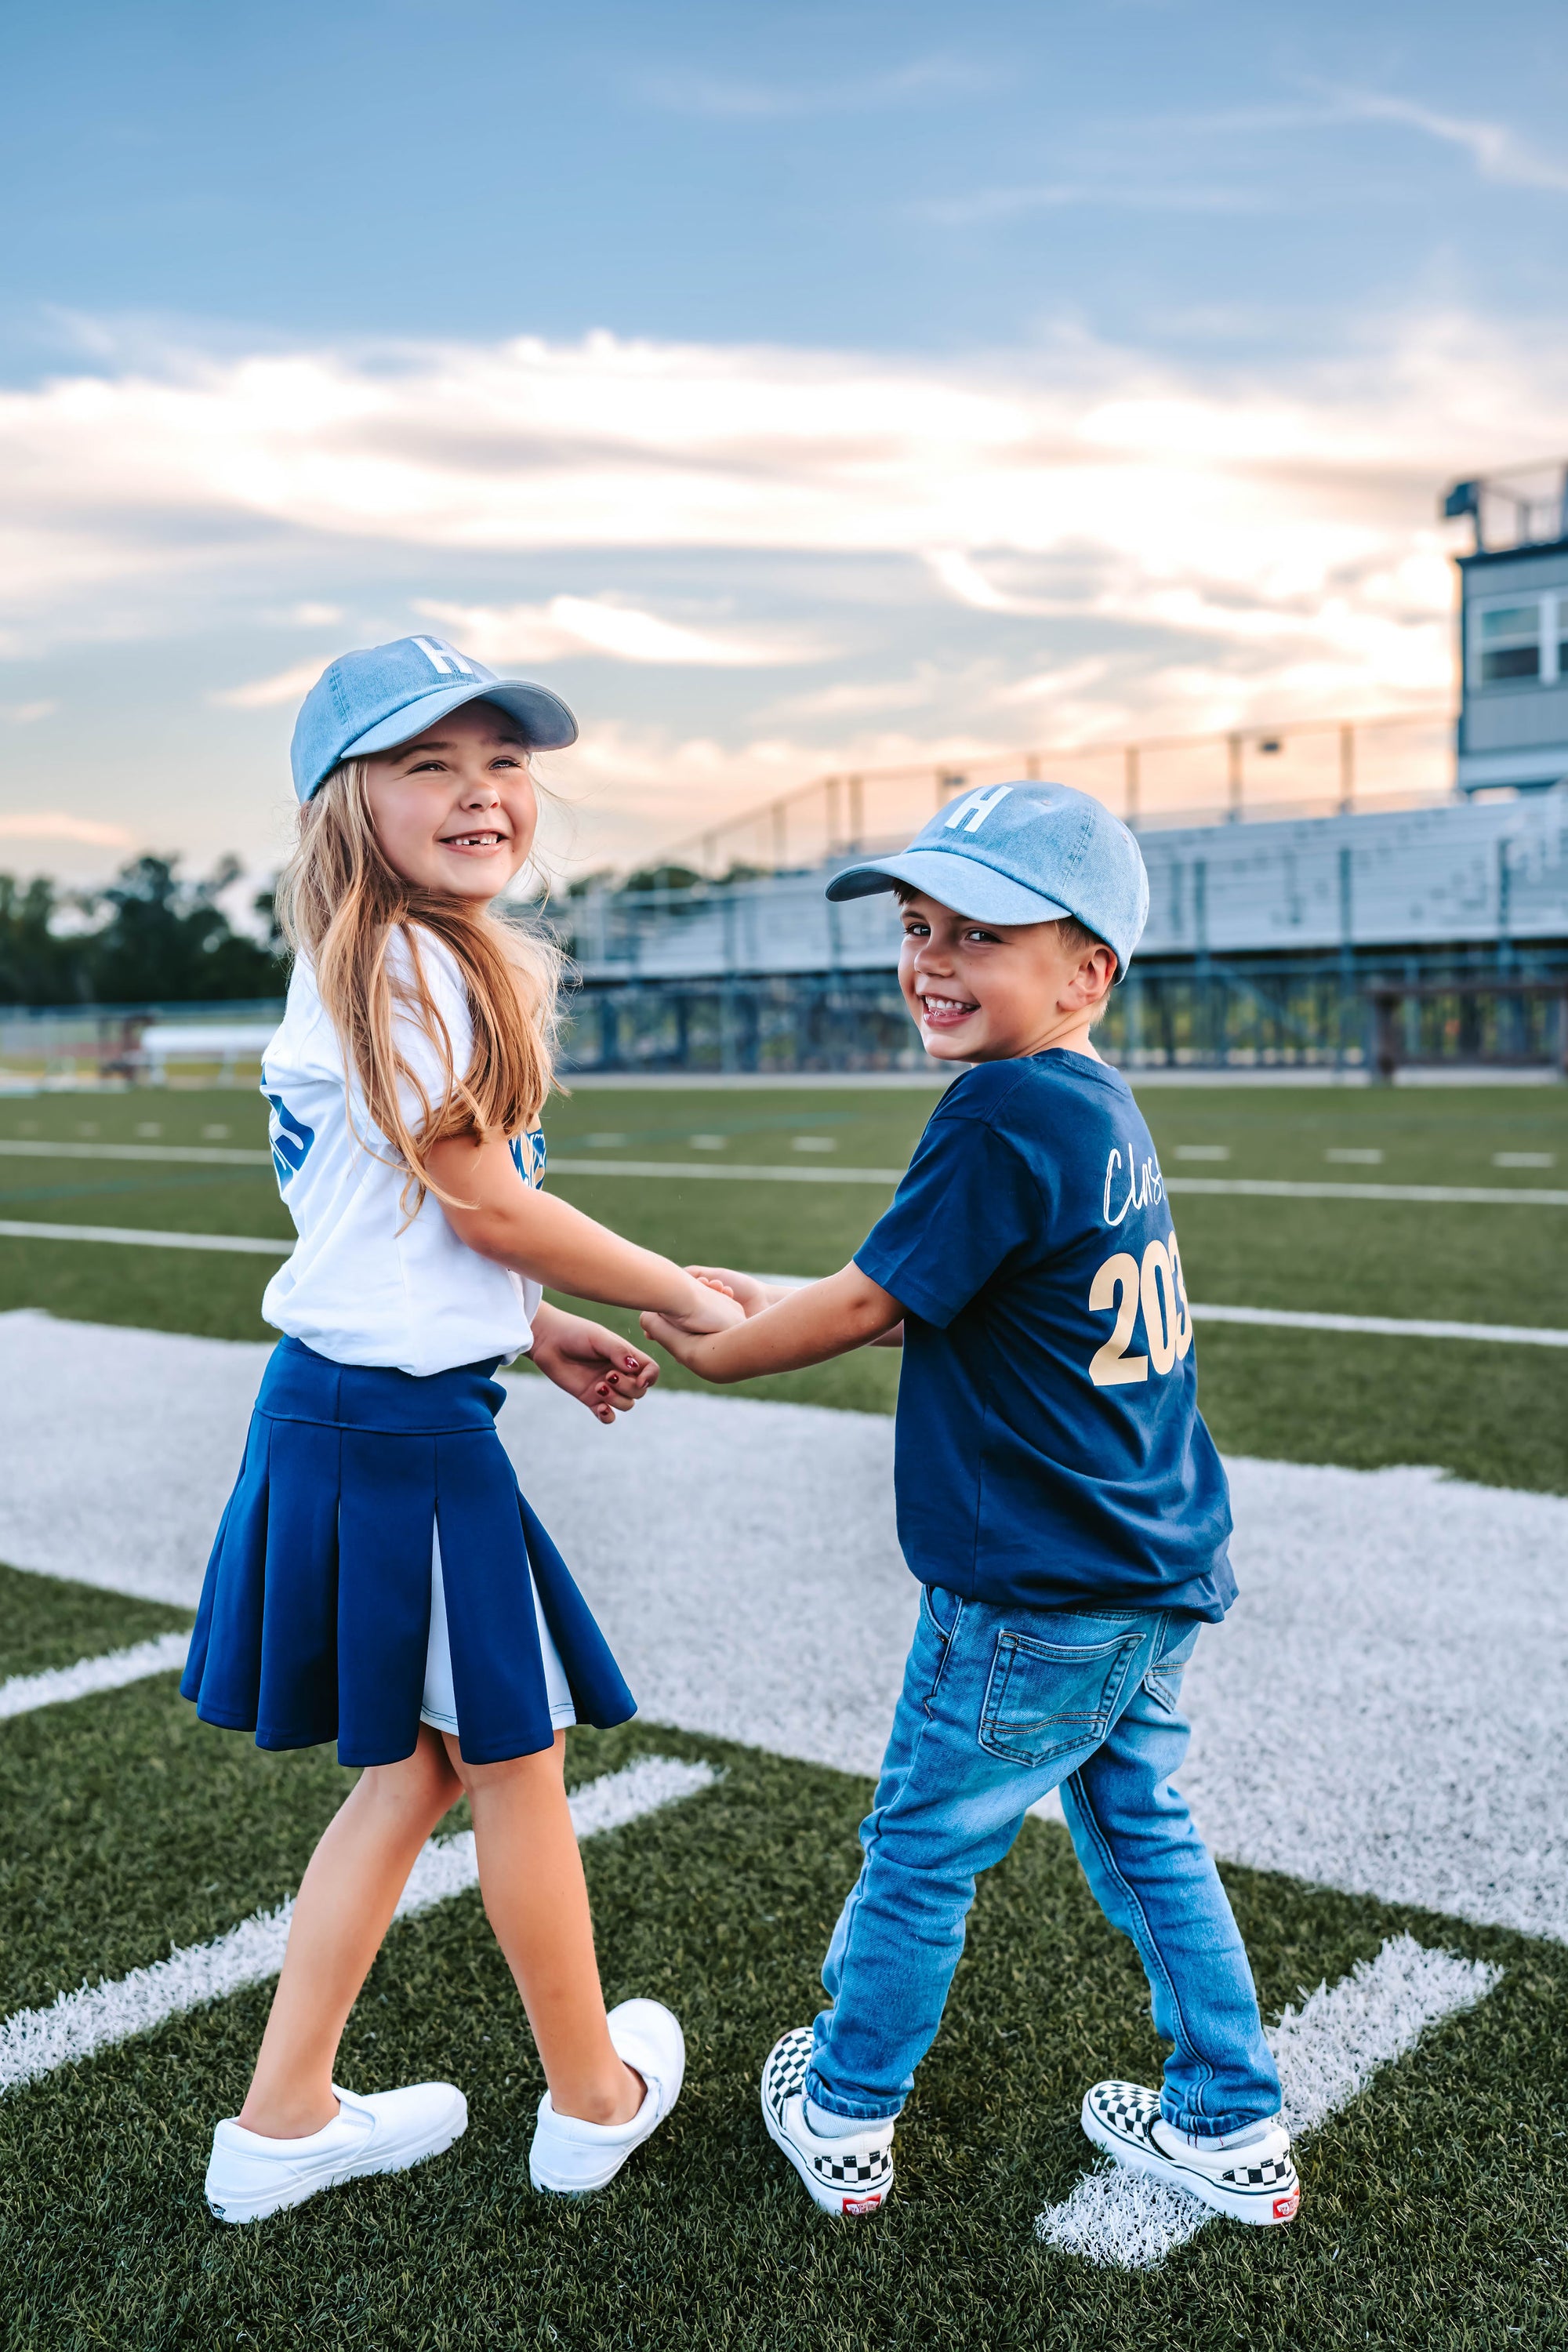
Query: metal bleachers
x=1449, y=875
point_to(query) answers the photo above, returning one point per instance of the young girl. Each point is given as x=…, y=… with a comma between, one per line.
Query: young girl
x=378, y=1578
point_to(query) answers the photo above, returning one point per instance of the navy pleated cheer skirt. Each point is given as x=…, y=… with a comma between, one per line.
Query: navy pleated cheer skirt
x=315, y=1614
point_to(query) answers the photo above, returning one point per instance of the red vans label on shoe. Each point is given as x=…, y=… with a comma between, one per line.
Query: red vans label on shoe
x=1285, y=2206
x=859, y=2204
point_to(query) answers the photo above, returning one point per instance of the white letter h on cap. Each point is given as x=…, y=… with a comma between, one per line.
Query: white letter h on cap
x=443, y=658
x=976, y=807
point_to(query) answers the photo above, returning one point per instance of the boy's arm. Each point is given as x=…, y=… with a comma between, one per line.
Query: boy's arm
x=754, y=1296
x=806, y=1326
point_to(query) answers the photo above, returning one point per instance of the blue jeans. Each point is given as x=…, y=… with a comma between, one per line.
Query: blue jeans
x=999, y=1706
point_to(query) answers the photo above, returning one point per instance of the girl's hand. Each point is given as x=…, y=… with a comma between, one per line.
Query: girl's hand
x=754, y=1295
x=596, y=1366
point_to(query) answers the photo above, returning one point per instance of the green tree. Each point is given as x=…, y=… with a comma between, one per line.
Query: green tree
x=37, y=965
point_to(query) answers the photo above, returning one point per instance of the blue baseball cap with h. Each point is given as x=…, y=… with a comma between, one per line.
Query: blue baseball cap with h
x=1022, y=853
x=385, y=694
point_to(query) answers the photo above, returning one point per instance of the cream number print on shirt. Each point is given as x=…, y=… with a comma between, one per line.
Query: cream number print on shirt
x=1120, y=1287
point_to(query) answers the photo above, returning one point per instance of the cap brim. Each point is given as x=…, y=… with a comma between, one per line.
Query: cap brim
x=970, y=888
x=543, y=717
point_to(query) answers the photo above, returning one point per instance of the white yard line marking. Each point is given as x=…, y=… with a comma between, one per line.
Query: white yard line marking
x=146, y=1237
x=1281, y=1188
x=203, y=1154
x=78, y=2024
x=1292, y=1318
x=1327, y=2051
x=1264, y=1188
x=112, y=1671
x=734, y=1171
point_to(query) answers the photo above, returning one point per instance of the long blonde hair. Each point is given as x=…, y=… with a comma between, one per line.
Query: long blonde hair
x=341, y=905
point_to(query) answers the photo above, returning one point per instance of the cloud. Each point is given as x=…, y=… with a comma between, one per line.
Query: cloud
x=309, y=617
x=42, y=825
x=963, y=579
x=265, y=693
x=1230, y=543
x=1498, y=153
x=503, y=635
x=28, y=714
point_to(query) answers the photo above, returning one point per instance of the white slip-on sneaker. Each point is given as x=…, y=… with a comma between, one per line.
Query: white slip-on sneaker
x=1252, y=2176
x=572, y=2157
x=249, y=2177
x=849, y=2177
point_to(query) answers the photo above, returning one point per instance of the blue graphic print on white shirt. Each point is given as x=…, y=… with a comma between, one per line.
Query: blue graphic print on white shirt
x=291, y=1139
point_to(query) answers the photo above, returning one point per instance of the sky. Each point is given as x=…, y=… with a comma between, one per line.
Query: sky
x=795, y=388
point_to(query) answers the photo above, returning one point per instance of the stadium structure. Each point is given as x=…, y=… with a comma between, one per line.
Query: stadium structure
x=1425, y=925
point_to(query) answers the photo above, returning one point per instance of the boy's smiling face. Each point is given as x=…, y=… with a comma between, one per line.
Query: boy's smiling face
x=992, y=991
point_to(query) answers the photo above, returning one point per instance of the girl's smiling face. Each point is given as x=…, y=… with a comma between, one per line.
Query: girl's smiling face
x=455, y=810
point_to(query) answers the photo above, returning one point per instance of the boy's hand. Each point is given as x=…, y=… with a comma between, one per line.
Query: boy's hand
x=714, y=1310
x=754, y=1295
x=801, y=1327
x=596, y=1366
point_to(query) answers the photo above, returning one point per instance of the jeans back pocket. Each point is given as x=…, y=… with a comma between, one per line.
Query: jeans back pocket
x=1164, y=1680
x=1045, y=1699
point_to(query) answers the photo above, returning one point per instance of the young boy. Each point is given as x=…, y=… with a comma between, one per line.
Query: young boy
x=1061, y=1500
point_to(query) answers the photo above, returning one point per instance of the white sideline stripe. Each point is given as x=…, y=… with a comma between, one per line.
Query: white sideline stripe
x=1281, y=1188
x=36, y=2042
x=1263, y=1188
x=211, y=1155
x=1327, y=2052
x=112, y=1671
x=1292, y=1318
x=1295, y=1318
x=1267, y=1188
x=146, y=1237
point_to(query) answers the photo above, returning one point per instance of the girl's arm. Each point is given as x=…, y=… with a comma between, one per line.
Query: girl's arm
x=495, y=1213
x=806, y=1326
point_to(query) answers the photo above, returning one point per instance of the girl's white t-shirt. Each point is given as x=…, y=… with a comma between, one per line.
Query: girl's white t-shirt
x=366, y=1284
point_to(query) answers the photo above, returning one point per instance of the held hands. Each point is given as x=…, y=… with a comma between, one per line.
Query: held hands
x=725, y=1299
x=596, y=1366
x=715, y=1309
x=752, y=1296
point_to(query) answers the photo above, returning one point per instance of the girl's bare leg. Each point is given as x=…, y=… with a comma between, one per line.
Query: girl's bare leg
x=342, y=1911
x=530, y=1876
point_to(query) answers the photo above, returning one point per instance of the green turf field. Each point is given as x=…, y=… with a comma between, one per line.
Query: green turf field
x=1494, y=1413
x=1435, y=2208
x=1435, y=2205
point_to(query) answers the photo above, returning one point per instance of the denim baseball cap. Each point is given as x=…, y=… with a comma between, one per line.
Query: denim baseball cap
x=385, y=694
x=1022, y=853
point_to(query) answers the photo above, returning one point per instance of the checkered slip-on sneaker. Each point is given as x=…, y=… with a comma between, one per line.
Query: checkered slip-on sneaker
x=849, y=2177
x=1256, y=2183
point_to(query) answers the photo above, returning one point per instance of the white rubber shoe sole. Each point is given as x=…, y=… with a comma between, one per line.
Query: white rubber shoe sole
x=1256, y=2184
x=570, y=2158
x=849, y=2177
x=249, y=2177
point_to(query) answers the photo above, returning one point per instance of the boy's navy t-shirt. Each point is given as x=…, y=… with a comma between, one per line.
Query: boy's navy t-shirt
x=1050, y=1449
